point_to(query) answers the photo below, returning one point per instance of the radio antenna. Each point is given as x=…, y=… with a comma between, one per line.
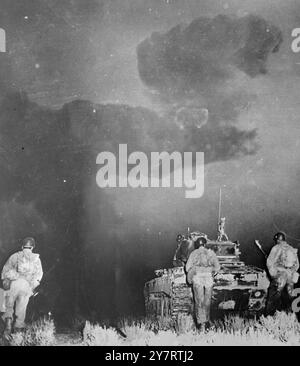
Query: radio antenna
x=220, y=203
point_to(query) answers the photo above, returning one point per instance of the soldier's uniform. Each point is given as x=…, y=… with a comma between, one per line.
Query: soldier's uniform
x=282, y=264
x=23, y=272
x=200, y=267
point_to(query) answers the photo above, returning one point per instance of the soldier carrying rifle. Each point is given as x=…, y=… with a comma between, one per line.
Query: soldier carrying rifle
x=282, y=263
x=21, y=274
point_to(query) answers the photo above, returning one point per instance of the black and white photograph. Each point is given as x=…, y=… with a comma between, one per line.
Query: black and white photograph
x=150, y=176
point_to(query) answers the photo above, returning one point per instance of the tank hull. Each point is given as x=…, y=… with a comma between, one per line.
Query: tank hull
x=237, y=288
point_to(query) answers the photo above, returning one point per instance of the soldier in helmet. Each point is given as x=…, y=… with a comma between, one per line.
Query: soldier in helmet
x=184, y=249
x=282, y=264
x=21, y=274
x=201, y=266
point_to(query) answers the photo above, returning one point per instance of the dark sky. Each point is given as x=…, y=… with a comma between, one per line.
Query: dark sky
x=82, y=76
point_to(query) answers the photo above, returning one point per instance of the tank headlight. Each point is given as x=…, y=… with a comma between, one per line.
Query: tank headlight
x=257, y=294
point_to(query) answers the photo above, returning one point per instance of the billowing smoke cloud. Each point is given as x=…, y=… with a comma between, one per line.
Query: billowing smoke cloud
x=198, y=58
x=196, y=71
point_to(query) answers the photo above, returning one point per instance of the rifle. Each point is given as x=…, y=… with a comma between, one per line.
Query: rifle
x=38, y=289
x=257, y=243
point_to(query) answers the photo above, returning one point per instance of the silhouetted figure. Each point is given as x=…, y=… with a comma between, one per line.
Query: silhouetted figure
x=201, y=266
x=21, y=274
x=282, y=264
x=183, y=251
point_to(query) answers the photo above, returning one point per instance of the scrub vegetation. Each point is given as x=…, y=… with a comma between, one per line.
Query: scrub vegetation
x=282, y=329
x=39, y=333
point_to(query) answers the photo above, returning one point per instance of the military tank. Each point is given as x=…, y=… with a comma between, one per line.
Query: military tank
x=238, y=288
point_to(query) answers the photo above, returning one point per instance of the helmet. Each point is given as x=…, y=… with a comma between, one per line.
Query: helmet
x=278, y=235
x=200, y=241
x=28, y=243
